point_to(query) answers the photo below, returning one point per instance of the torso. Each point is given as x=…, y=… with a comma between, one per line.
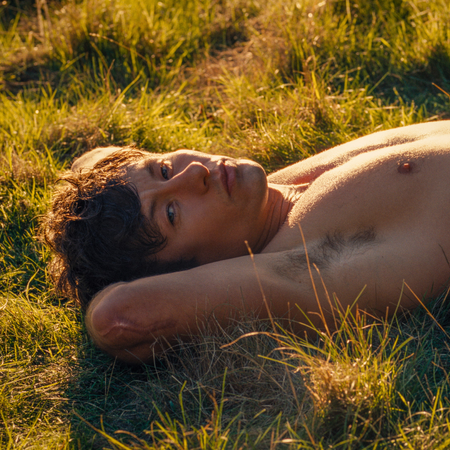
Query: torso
x=399, y=193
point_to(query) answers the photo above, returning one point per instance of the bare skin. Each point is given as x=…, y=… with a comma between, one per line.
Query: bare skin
x=372, y=215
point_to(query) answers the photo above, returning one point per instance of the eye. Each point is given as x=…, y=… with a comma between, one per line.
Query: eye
x=164, y=171
x=171, y=213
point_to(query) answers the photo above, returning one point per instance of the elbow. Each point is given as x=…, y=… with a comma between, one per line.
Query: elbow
x=116, y=327
x=105, y=319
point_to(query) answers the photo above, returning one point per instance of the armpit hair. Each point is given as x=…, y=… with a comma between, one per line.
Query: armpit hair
x=337, y=245
x=332, y=249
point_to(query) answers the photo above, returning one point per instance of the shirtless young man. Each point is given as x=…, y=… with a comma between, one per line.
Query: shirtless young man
x=373, y=212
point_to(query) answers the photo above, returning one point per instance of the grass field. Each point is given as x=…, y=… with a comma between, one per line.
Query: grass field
x=273, y=80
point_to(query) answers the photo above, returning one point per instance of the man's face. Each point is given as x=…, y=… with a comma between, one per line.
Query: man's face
x=206, y=206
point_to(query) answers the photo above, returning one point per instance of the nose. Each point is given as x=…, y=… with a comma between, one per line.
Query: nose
x=192, y=179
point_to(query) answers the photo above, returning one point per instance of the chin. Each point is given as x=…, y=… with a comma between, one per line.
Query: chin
x=253, y=170
x=256, y=188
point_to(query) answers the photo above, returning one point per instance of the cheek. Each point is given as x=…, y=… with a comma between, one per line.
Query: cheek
x=217, y=230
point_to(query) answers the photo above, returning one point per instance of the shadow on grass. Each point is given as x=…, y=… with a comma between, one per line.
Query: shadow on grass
x=254, y=388
x=202, y=390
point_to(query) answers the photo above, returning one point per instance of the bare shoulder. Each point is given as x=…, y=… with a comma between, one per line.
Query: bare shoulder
x=396, y=136
x=311, y=168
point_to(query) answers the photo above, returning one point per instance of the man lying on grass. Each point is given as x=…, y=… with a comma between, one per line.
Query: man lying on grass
x=161, y=241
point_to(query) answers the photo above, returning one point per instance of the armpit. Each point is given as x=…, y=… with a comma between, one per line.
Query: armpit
x=331, y=250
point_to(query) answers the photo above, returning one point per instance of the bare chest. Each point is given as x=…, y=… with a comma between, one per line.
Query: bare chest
x=372, y=195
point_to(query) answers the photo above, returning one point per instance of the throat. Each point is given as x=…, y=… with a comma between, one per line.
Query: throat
x=280, y=202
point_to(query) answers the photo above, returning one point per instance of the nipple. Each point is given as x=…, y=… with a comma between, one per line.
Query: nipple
x=405, y=167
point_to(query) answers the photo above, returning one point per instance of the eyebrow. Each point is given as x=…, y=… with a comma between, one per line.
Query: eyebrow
x=151, y=171
x=149, y=167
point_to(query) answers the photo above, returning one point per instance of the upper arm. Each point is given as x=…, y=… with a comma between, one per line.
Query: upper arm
x=144, y=316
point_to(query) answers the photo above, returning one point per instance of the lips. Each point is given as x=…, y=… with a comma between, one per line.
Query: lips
x=227, y=176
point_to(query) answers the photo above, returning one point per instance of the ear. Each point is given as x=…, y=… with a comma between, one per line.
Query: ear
x=89, y=159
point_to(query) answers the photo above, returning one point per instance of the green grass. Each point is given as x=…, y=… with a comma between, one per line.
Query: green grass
x=273, y=80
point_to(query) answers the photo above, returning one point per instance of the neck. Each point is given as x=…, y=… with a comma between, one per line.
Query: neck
x=280, y=201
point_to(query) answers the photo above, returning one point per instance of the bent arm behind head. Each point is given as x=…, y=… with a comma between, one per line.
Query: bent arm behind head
x=135, y=321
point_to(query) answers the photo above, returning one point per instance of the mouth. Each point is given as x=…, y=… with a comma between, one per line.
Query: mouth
x=227, y=176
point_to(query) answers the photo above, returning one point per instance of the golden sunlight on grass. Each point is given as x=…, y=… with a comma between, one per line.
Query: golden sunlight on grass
x=271, y=80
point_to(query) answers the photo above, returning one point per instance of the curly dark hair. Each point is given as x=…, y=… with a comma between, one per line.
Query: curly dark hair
x=97, y=231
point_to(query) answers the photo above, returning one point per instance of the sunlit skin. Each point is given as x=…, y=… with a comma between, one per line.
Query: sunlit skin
x=208, y=207
x=373, y=215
